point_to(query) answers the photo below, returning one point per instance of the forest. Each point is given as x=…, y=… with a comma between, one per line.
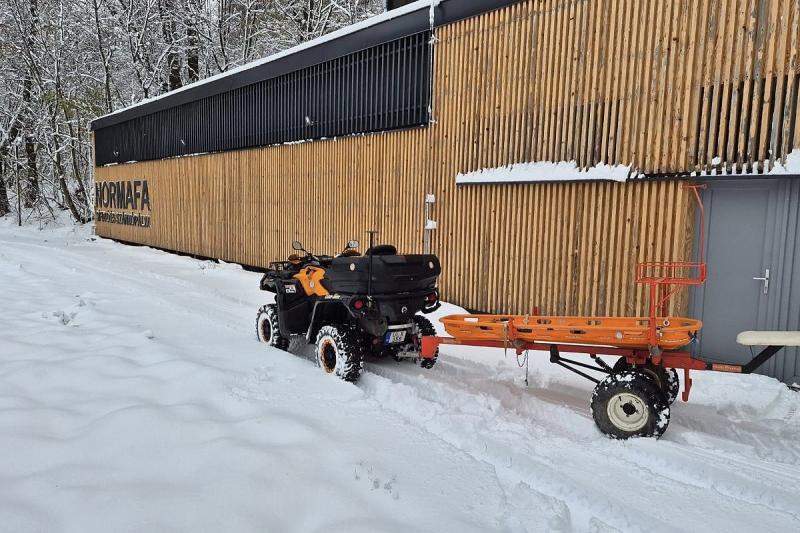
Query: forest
x=66, y=62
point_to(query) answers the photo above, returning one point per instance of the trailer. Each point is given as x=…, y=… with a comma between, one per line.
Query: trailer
x=634, y=397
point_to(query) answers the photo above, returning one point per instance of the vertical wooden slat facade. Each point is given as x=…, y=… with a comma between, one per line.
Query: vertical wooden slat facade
x=668, y=87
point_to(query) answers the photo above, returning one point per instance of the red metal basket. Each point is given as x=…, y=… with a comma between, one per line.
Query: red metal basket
x=671, y=273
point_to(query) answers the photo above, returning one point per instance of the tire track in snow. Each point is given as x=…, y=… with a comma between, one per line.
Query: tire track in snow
x=537, y=450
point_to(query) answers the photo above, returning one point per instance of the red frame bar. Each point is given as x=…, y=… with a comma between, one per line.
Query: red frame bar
x=633, y=356
x=682, y=360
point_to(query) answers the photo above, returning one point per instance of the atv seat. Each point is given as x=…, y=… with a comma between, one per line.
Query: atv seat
x=381, y=249
x=325, y=260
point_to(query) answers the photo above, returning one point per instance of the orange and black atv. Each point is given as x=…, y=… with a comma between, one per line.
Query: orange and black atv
x=352, y=305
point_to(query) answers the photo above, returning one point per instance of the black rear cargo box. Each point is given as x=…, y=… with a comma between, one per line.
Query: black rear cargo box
x=391, y=274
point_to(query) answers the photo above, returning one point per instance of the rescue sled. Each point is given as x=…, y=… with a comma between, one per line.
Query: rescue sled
x=671, y=332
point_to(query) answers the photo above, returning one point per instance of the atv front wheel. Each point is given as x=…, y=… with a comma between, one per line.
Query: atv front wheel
x=267, y=329
x=340, y=351
x=629, y=404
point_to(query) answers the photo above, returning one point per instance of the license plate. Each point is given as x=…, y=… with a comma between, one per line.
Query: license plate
x=393, y=337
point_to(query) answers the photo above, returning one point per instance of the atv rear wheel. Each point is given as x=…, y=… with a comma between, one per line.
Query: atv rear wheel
x=340, y=351
x=424, y=328
x=630, y=404
x=267, y=329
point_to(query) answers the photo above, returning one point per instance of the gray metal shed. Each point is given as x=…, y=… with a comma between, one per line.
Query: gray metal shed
x=752, y=247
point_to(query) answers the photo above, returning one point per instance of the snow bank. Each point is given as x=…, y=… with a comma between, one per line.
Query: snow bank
x=792, y=165
x=546, y=171
x=444, y=310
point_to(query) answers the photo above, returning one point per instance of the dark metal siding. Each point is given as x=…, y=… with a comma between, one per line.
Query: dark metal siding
x=415, y=21
x=384, y=87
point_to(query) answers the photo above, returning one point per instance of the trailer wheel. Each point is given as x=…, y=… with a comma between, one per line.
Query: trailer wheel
x=629, y=404
x=621, y=365
x=424, y=328
x=267, y=329
x=666, y=378
x=340, y=351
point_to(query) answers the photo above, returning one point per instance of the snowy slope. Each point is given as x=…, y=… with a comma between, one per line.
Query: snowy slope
x=134, y=397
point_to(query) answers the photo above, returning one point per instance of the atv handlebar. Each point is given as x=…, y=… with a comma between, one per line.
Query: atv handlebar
x=321, y=259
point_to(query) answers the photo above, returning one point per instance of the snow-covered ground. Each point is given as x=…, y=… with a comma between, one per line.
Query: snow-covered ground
x=134, y=397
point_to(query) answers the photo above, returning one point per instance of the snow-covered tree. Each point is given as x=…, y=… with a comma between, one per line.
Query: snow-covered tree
x=64, y=62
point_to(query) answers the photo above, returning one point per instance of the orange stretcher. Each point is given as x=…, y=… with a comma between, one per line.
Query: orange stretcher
x=671, y=333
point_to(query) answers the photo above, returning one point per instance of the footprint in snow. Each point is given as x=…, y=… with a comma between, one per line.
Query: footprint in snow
x=252, y=388
x=62, y=316
x=365, y=470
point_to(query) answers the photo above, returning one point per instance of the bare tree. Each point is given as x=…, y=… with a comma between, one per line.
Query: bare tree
x=192, y=40
x=103, y=51
x=169, y=19
x=64, y=62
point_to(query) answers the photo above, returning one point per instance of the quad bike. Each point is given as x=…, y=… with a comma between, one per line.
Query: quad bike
x=351, y=306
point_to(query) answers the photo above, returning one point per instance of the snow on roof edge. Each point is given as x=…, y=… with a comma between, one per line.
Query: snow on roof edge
x=358, y=26
x=569, y=171
x=792, y=165
x=546, y=171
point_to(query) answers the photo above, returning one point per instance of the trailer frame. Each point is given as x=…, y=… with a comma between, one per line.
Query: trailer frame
x=682, y=360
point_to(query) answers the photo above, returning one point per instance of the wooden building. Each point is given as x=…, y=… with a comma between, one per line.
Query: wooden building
x=353, y=131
